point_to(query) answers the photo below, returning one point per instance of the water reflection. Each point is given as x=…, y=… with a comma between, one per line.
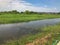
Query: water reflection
x=20, y=29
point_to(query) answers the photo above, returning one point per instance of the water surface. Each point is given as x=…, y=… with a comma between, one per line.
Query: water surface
x=9, y=31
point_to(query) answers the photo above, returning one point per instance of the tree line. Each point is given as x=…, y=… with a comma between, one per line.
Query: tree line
x=28, y=12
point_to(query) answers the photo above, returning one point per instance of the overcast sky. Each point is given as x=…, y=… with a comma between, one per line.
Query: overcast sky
x=32, y=5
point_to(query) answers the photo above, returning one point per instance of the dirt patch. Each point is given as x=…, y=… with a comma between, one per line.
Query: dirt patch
x=41, y=41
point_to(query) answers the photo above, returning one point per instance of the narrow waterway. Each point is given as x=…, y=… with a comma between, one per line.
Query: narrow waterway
x=8, y=31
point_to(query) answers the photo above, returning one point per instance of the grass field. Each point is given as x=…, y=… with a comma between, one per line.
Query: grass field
x=16, y=18
x=50, y=35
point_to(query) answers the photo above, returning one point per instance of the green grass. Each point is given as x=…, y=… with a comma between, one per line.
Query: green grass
x=54, y=30
x=16, y=18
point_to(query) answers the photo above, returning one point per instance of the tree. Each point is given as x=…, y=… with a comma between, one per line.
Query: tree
x=15, y=11
x=27, y=12
x=58, y=13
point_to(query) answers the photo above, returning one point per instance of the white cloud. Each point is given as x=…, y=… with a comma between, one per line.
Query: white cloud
x=21, y=5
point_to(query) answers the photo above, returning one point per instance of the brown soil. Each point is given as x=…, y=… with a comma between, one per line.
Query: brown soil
x=41, y=41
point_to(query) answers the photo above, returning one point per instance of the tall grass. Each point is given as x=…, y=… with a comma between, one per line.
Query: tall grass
x=16, y=18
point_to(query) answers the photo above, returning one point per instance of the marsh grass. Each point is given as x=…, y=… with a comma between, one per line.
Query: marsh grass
x=16, y=18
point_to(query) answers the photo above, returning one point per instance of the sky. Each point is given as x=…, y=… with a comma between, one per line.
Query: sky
x=31, y=5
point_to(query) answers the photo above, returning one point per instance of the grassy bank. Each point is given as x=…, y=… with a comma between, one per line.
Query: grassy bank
x=16, y=18
x=50, y=35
